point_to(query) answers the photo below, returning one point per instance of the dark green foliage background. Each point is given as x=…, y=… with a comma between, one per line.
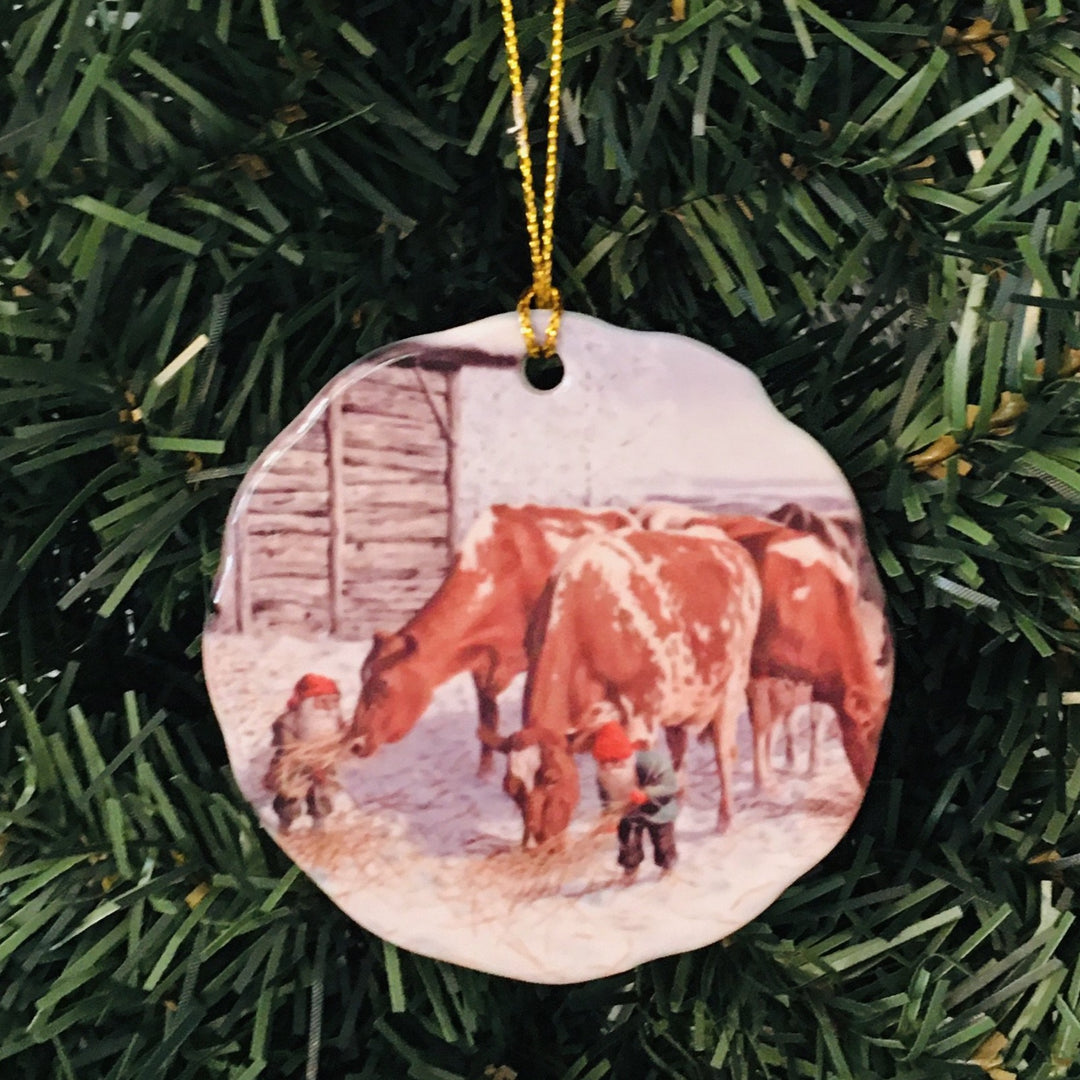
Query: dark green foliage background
x=916, y=252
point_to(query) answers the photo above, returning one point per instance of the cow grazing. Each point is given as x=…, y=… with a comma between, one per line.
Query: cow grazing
x=814, y=628
x=541, y=778
x=811, y=631
x=842, y=532
x=654, y=627
x=476, y=622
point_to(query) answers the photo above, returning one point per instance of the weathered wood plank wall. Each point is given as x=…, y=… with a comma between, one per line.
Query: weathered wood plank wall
x=286, y=553
x=397, y=510
x=348, y=530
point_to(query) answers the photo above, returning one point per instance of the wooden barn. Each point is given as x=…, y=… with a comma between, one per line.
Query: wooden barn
x=346, y=524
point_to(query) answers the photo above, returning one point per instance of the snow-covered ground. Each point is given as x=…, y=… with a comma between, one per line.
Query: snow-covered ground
x=426, y=854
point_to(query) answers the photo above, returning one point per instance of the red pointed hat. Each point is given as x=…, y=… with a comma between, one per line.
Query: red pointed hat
x=310, y=686
x=612, y=743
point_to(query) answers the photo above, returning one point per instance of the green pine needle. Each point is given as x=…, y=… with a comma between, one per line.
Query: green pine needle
x=876, y=210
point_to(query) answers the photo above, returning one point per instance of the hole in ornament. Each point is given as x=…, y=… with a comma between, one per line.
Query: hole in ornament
x=544, y=372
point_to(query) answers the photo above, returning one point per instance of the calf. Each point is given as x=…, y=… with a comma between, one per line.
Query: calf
x=476, y=622
x=654, y=627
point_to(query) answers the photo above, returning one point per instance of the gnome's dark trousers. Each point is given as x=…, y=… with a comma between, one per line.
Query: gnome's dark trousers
x=288, y=810
x=631, y=848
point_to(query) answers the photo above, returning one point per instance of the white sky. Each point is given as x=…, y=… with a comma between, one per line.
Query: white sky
x=638, y=415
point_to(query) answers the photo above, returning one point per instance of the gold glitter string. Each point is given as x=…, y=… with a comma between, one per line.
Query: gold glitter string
x=542, y=291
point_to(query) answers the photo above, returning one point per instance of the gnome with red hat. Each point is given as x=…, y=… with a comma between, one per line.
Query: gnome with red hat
x=307, y=739
x=615, y=773
x=643, y=786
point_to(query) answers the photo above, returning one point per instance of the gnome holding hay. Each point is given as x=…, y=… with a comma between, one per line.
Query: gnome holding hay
x=307, y=739
x=642, y=786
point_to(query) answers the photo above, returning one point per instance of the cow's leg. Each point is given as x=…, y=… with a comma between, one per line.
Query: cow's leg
x=725, y=727
x=489, y=721
x=724, y=745
x=760, y=727
x=789, y=750
x=677, y=739
x=814, y=720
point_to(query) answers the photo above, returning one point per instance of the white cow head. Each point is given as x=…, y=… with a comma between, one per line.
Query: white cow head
x=541, y=778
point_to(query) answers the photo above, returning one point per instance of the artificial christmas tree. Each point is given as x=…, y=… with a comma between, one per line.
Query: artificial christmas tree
x=211, y=206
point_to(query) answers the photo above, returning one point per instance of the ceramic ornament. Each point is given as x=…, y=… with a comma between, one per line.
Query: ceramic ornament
x=549, y=684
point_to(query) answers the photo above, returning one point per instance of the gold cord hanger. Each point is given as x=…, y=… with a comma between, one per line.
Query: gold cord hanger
x=542, y=291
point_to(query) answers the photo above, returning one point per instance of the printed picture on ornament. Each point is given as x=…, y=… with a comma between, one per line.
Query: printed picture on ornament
x=532, y=652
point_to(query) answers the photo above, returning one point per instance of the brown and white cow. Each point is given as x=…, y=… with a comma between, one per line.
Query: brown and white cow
x=541, y=777
x=815, y=627
x=839, y=532
x=476, y=621
x=655, y=628
x=812, y=631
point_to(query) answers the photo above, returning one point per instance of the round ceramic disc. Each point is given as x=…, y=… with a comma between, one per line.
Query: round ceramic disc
x=549, y=684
